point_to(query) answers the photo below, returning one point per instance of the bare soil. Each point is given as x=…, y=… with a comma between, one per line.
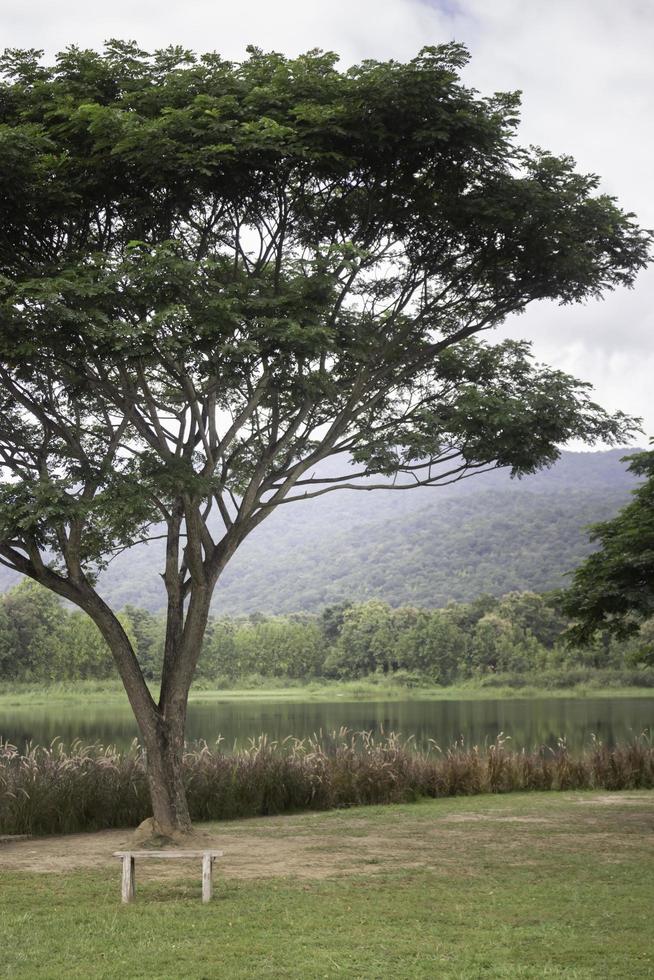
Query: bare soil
x=320, y=845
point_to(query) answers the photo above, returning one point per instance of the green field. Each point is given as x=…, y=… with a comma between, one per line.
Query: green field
x=16, y=694
x=539, y=885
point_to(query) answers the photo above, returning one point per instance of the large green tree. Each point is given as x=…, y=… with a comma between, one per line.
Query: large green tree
x=33, y=635
x=215, y=277
x=613, y=590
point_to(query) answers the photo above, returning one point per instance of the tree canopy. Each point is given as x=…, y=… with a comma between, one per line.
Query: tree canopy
x=216, y=275
x=614, y=588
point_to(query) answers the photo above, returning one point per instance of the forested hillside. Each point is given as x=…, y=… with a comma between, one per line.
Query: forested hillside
x=423, y=547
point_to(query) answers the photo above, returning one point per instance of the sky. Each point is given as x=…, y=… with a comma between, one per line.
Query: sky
x=586, y=71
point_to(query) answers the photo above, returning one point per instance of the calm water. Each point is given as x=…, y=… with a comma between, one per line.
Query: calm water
x=528, y=723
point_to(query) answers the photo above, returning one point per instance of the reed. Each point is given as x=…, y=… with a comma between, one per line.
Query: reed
x=55, y=790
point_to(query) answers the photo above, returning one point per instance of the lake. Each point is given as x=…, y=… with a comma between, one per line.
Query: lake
x=528, y=722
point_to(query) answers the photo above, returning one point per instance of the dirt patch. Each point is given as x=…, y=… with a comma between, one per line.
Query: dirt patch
x=483, y=817
x=314, y=846
x=250, y=856
x=247, y=855
x=613, y=799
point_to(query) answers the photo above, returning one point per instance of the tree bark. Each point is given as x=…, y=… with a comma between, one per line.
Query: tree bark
x=164, y=744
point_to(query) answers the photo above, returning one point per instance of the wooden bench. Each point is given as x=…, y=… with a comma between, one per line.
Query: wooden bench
x=129, y=865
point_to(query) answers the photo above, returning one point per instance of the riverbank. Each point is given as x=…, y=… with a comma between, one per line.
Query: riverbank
x=367, y=689
x=527, y=885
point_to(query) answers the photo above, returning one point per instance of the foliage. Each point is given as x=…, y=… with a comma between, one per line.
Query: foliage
x=31, y=633
x=276, y=647
x=54, y=791
x=614, y=589
x=521, y=634
x=40, y=640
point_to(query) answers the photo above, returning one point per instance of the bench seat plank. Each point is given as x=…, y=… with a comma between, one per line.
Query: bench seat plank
x=167, y=854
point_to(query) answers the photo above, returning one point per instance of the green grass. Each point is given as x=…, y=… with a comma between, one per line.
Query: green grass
x=530, y=886
x=15, y=695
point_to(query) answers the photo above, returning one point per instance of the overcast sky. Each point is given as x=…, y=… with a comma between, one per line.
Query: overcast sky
x=585, y=68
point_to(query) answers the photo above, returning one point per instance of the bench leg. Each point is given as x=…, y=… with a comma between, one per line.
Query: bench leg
x=207, y=877
x=129, y=884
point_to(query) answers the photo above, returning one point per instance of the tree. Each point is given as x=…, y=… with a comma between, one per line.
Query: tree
x=434, y=645
x=276, y=647
x=86, y=654
x=215, y=277
x=366, y=640
x=32, y=623
x=613, y=590
x=533, y=613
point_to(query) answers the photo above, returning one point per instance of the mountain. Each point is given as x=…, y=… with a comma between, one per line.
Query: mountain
x=424, y=547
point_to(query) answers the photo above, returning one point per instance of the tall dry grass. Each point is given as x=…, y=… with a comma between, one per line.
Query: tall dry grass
x=53, y=790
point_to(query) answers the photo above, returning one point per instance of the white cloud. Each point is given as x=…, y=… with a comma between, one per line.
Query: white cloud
x=587, y=76
x=585, y=68
x=367, y=28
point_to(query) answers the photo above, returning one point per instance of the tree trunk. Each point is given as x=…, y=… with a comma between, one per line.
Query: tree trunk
x=164, y=739
x=165, y=778
x=162, y=726
x=164, y=743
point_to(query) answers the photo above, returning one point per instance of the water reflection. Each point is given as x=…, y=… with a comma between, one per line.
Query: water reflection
x=528, y=723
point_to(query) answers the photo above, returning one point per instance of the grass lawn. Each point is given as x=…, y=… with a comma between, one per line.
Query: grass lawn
x=529, y=885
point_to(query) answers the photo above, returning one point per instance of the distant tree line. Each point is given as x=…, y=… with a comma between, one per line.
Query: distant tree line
x=520, y=633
